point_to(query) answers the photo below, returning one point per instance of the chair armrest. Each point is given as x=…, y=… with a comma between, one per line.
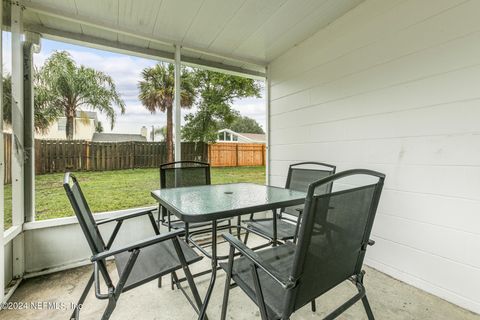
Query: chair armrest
x=138, y=245
x=258, y=261
x=125, y=216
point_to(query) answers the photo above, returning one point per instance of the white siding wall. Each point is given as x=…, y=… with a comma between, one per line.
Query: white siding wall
x=394, y=86
x=82, y=131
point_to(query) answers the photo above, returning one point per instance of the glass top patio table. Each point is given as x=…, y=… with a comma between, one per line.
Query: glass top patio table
x=215, y=202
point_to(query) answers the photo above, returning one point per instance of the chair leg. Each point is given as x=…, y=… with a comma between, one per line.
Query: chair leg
x=228, y=278
x=368, y=310
x=112, y=303
x=192, y=286
x=160, y=282
x=188, y=274
x=76, y=312
x=314, y=305
x=361, y=288
x=246, y=237
x=172, y=280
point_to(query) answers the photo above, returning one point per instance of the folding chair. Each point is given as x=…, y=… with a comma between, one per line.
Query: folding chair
x=136, y=263
x=186, y=174
x=333, y=239
x=300, y=176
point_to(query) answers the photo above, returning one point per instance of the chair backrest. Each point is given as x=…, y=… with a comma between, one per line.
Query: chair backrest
x=334, y=232
x=184, y=174
x=301, y=175
x=83, y=213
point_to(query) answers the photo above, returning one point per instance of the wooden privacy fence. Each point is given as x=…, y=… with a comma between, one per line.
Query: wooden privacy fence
x=79, y=155
x=236, y=154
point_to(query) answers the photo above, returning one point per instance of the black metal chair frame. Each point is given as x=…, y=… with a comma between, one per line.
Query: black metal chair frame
x=163, y=212
x=280, y=216
x=99, y=257
x=290, y=283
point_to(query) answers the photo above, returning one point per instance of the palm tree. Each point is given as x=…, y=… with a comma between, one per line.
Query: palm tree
x=157, y=92
x=75, y=87
x=162, y=132
x=44, y=112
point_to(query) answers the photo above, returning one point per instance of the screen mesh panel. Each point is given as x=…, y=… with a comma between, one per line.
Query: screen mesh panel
x=183, y=174
x=186, y=175
x=300, y=179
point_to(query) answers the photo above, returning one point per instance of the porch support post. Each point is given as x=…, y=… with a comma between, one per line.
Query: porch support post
x=267, y=124
x=2, y=177
x=178, y=111
x=18, y=157
x=31, y=45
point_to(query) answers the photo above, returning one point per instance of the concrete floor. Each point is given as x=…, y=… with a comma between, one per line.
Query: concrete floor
x=389, y=298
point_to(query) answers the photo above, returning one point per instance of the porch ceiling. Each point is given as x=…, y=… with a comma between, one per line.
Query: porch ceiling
x=237, y=35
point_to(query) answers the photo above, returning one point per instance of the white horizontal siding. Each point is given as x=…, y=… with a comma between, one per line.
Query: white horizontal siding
x=394, y=86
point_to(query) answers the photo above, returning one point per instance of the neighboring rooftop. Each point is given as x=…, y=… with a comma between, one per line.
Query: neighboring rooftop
x=258, y=137
x=86, y=114
x=227, y=135
x=117, y=137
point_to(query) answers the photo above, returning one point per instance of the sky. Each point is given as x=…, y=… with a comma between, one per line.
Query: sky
x=125, y=71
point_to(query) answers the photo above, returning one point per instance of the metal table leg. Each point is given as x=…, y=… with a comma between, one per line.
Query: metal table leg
x=274, y=240
x=239, y=222
x=203, y=310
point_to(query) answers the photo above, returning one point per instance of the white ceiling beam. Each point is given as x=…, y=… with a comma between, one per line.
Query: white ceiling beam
x=222, y=67
x=100, y=43
x=101, y=24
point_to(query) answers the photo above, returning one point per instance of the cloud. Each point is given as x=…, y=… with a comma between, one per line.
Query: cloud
x=252, y=108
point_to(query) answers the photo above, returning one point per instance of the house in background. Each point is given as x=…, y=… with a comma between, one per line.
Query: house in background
x=83, y=127
x=118, y=137
x=227, y=135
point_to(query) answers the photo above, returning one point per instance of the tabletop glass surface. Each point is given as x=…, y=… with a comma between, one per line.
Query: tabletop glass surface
x=226, y=198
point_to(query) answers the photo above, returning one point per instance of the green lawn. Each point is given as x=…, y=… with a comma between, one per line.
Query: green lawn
x=114, y=190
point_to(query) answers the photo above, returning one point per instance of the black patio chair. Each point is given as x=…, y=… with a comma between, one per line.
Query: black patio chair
x=182, y=174
x=136, y=263
x=333, y=239
x=185, y=173
x=300, y=176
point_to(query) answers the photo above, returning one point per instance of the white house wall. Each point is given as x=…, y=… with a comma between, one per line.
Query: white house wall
x=394, y=86
x=82, y=131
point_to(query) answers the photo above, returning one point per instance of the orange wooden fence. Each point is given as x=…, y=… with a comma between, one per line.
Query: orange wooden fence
x=236, y=154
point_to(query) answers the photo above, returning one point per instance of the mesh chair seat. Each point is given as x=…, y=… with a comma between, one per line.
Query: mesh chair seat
x=280, y=258
x=153, y=262
x=285, y=230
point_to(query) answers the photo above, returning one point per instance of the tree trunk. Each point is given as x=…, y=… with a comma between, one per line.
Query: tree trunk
x=69, y=127
x=170, y=134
